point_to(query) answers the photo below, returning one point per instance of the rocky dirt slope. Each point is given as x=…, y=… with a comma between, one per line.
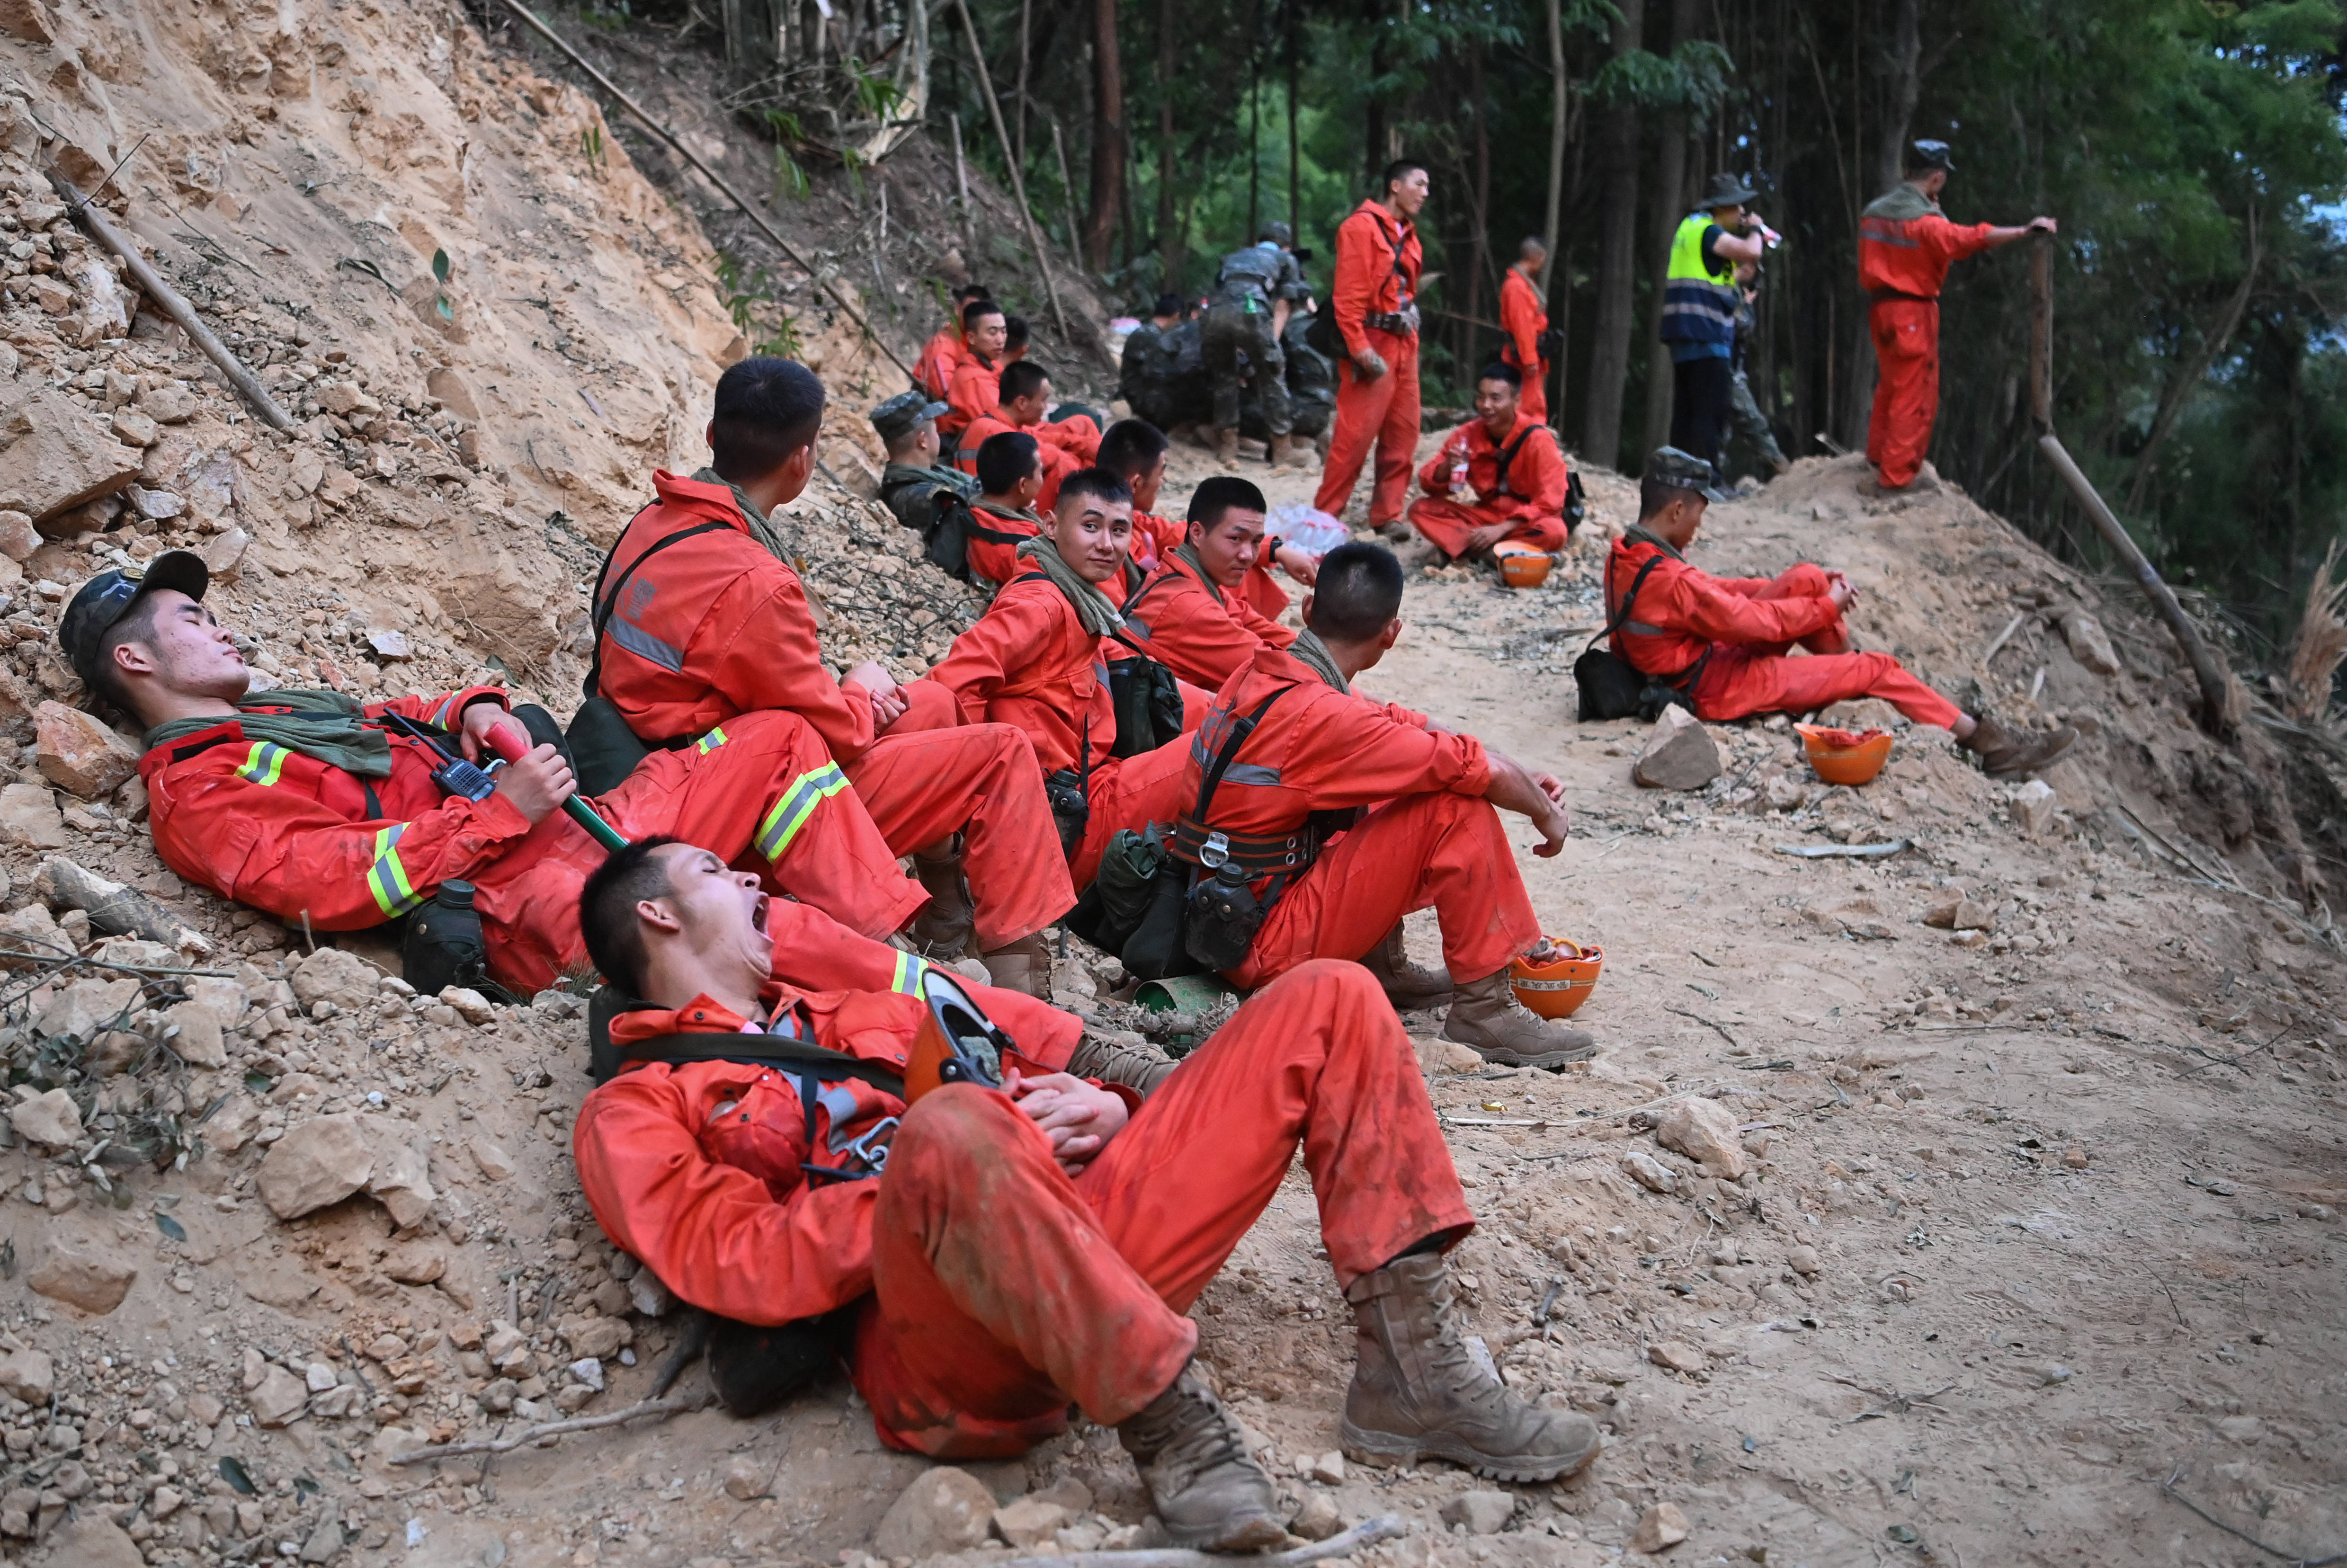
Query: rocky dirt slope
x=1985, y=1229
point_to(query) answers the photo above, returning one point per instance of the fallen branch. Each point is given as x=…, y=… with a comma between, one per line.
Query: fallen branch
x=1720, y=1029
x=677, y=1405
x=113, y=908
x=2003, y=637
x=1369, y=1533
x=2168, y=1490
x=174, y=305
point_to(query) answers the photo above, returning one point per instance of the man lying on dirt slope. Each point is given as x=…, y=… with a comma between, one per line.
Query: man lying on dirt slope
x=1022, y=1249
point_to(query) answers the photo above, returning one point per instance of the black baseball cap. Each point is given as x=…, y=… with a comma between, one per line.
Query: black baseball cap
x=108, y=598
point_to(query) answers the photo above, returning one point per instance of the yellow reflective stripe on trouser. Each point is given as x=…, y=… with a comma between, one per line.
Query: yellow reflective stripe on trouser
x=388, y=879
x=264, y=762
x=710, y=741
x=909, y=970
x=797, y=804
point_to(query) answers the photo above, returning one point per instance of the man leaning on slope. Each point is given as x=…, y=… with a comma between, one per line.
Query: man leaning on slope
x=1027, y=1248
x=1724, y=642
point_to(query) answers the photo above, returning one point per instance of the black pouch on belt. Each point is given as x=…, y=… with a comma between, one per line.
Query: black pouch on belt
x=1224, y=915
x=1069, y=807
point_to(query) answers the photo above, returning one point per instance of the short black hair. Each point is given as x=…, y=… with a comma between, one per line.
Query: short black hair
x=977, y=309
x=1022, y=378
x=1168, y=305
x=1500, y=370
x=1132, y=448
x=1532, y=244
x=1014, y=334
x=1096, y=481
x=136, y=625
x=1654, y=496
x=1400, y=168
x=607, y=911
x=765, y=410
x=1219, y=494
x=970, y=292
x=1005, y=459
x=1357, y=590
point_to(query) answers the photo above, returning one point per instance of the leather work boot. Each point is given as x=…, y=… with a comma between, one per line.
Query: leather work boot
x=1140, y=1068
x=1208, y=1490
x=1407, y=986
x=1416, y=1390
x=2005, y=752
x=1486, y=1015
x=1290, y=451
x=1023, y=966
x=1226, y=445
x=942, y=929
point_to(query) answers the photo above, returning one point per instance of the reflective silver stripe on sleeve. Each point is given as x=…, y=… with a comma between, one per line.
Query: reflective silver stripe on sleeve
x=644, y=645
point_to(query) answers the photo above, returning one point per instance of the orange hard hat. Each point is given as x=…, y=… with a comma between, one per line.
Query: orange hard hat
x=1845, y=756
x=1526, y=569
x=1558, y=987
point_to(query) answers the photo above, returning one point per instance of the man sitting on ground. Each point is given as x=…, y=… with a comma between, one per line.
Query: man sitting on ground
x=972, y=393
x=1510, y=460
x=704, y=620
x=1189, y=615
x=1427, y=833
x=943, y=355
x=1724, y=642
x=1147, y=366
x=1134, y=451
x=913, y=485
x=1025, y=395
x=1035, y=658
x=1035, y=1247
x=310, y=806
x=1009, y=477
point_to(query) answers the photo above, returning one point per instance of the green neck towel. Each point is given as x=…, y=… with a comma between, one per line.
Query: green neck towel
x=324, y=725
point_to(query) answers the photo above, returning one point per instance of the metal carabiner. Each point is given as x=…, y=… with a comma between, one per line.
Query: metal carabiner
x=874, y=1156
x=1215, y=851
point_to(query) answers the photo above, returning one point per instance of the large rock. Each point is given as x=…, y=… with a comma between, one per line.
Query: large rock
x=2035, y=806
x=94, y=1541
x=51, y=1120
x=1661, y=1528
x=600, y=1337
x=1704, y=1130
x=89, y=1280
x=54, y=457
x=279, y=1399
x=29, y=817
x=85, y=1006
x=330, y=975
x=28, y=1375
x=944, y=1510
x=1679, y=754
x=401, y=1183
x=1029, y=1521
x=1959, y=914
x=1482, y=1513
x=321, y=1161
x=199, y=1042
x=2088, y=643
x=79, y=753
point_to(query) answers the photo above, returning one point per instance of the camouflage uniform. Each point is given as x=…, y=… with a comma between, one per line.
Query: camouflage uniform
x=915, y=494
x=1237, y=336
x=1311, y=388
x=1744, y=416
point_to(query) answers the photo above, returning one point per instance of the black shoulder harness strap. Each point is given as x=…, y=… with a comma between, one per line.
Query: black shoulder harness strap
x=604, y=607
x=1508, y=454
x=808, y=1063
x=1240, y=729
x=1605, y=633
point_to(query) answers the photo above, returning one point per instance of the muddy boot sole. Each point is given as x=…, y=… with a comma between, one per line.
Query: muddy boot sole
x=1251, y=1532
x=1390, y=1448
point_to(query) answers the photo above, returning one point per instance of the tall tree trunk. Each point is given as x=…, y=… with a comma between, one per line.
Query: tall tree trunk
x=1617, y=261
x=1254, y=119
x=1899, y=102
x=1169, y=260
x=1026, y=16
x=1471, y=360
x=1673, y=150
x=1374, y=132
x=1555, y=142
x=1108, y=137
x=2192, y=371
x=1295, y=139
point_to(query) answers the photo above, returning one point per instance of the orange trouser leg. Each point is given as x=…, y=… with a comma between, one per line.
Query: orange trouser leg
x=1534, y=397
x=1004, y=1291
x=1439, y=848
x=1740, y=681
x=1134, y=793
x=981, y=781
x=1269, y=599
x=1383, y=413
x=1907, y=391
x=1447, y=523
x=767, y=796
x=1804, y=581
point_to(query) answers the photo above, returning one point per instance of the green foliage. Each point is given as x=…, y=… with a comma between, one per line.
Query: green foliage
x=757, y=315
x=590, y=147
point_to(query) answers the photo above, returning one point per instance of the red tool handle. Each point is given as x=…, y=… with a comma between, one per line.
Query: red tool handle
x=511, y=743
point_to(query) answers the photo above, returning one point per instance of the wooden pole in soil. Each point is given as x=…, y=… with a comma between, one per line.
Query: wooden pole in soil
x=2216, y=685
x=1018, y=179
x=961, y=186
x=1068, y=191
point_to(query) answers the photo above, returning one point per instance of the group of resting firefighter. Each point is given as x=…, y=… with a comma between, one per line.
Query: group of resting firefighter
x=760, y=890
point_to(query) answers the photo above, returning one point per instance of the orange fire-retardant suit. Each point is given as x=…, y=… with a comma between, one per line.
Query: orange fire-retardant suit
x=1529, y=494
x=713, y=626
x=285, y=833
x=1905, y=244
x=1425, y=838
x=1743, y=629
x=974, y=393
x=1378, y=261
x=1028, y=662
x=941, y=357
x=1155, y=538
x=1196, y=627
x=992, y=1291
x=995, y=539
x=1523, y=318
x=1063, y=448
